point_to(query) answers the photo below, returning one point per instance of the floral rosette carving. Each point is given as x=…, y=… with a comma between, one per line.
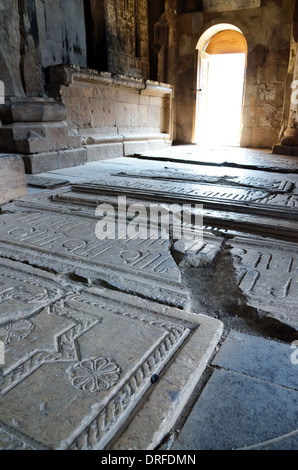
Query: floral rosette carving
x=18, y=331
x=95, y=375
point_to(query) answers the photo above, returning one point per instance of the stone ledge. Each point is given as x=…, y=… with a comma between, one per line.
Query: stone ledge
x=101, y=145
x=66, y=75
x=103, y=135
x=33, y=137
x=32, y=110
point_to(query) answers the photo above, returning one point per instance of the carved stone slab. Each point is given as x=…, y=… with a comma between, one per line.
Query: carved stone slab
x=68, y=244
x=267, y=274
x=212, y=196
x=74, y=380
x=73, y=202
x=228, y=157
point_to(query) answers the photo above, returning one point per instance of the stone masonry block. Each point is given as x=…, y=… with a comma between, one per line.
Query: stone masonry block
x=48, y=161
x=12, y=178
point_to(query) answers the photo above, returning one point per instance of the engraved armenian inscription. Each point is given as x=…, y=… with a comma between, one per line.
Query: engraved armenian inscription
x=268, y=276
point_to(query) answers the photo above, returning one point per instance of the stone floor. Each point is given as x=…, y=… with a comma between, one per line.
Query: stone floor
x=209, y=357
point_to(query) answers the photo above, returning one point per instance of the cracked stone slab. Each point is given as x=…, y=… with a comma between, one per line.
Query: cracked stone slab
x=73, y=380
x=68, y=244
x=267, y=275
x=69, y=201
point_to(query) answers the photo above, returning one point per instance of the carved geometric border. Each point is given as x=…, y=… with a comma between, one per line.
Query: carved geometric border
x=196, y=337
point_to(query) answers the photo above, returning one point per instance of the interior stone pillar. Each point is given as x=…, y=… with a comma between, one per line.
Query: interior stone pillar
x=289, y=141
x=290, y=137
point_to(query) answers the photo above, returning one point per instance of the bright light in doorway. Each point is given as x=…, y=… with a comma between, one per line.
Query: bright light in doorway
x=224, y=99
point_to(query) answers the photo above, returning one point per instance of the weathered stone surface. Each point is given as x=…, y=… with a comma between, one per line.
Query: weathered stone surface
x=272, y=184
x=128, y=38
x=74, y=199
x=12, y=178
x=74, y=379
x=62, y=32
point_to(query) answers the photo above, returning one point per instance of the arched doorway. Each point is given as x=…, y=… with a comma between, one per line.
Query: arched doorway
x=222, y=53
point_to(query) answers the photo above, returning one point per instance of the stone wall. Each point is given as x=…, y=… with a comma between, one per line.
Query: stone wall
x=62, y=33
x=35, y=34
x=115, y=115
x=268, y=31
x=10, y=48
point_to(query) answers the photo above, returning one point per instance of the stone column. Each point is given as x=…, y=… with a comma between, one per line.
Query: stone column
x=34, y=35
x=171, y=11
x=10, y=56
x=289, y=141
x=290, y=137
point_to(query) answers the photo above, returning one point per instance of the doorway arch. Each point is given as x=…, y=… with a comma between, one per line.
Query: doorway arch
x=222, y=56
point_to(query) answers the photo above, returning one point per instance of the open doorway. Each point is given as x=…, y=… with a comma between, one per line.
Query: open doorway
x=220, y=85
